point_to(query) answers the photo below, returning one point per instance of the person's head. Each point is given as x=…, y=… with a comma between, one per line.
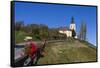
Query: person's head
x=28, y=38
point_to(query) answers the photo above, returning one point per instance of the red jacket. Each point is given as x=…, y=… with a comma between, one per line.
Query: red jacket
x=33, y=49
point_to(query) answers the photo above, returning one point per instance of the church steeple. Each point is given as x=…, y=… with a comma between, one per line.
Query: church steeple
x=72, y=20
x=72, y=24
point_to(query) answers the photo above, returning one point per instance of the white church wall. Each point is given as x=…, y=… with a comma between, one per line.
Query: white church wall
x=61, y=31
x=69, y=33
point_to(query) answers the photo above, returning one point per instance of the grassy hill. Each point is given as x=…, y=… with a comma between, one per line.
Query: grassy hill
x=68, y=51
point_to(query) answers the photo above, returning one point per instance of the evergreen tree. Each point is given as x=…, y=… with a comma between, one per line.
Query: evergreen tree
x=82, y=32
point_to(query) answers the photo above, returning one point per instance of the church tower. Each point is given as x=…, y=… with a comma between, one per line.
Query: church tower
x=73, y=27
x=72, y=24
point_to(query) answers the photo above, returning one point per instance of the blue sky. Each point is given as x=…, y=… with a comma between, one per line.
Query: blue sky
x=58, y=15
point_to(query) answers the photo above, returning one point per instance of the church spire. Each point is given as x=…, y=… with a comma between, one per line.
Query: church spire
x=72, y=20
x=72, y=24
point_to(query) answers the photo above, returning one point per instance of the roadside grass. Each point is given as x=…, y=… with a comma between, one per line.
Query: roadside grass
x=88, y=44
x=68, y=52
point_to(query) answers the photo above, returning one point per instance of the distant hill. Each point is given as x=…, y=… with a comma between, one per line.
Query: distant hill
x=69, y=51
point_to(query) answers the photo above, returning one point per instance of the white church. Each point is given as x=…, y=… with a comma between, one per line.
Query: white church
x=71, y=32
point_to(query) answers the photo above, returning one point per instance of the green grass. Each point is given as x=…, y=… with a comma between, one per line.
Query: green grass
x=68, y=52
x=20, y=36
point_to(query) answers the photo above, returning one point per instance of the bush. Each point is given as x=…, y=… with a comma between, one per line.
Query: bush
x=19, y=36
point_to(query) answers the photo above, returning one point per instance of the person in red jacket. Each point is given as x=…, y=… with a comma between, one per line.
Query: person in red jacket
x=30, y=49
